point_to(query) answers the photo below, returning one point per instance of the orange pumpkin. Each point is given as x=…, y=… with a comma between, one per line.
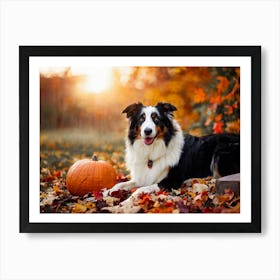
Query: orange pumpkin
x=89, y=175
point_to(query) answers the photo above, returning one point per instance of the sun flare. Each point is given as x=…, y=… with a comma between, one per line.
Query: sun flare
x=97, y=80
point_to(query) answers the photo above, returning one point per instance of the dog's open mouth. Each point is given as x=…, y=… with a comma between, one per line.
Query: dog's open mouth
x=149, y=140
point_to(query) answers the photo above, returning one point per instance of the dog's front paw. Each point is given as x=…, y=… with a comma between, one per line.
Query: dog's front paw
x=122, y=186
x=117, y=187
x=147, y=189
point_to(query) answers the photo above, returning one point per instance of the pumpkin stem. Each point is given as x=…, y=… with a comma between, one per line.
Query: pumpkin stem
x=94, y=157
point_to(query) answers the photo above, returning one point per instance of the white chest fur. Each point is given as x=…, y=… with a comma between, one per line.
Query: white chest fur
x=162, y=156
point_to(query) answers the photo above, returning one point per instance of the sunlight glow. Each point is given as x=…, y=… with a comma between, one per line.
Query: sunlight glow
x=97, y=80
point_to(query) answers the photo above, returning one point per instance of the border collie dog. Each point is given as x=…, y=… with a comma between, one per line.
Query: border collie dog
x=158, y=155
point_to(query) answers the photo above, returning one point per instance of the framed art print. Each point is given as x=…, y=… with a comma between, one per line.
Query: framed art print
x=140, y=138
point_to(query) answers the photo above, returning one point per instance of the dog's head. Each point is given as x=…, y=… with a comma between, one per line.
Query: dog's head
x=149, y=123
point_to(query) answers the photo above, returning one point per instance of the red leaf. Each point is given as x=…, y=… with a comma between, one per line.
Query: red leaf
x=121, y=194
x=218, y=127
x=49, y=178
x=169, y=204
x=98, y=195
x=121, y=178
x=56, y=173
x=162, y=192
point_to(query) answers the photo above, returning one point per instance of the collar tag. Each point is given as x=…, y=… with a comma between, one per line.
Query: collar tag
x=150, y=164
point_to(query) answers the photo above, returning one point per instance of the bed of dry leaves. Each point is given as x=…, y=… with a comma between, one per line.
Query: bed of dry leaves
x=194, y=196
x=56, y=156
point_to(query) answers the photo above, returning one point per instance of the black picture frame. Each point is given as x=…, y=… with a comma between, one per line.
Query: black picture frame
x=254, y=52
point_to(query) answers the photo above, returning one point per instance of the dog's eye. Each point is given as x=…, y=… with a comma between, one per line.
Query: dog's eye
x=155, y=118
x=142, y=118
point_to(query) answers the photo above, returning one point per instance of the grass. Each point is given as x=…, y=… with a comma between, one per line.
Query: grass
x=59, y=149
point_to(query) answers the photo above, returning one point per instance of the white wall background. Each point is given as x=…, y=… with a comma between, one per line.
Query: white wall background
x=139, y=256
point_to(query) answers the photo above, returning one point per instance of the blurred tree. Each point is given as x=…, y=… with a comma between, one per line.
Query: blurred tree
x=218, y=103
x=207, y=98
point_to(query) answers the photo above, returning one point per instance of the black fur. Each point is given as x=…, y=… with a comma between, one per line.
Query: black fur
x=165, y=110
x=133, y=112
x=197, y=155
x=133, y=109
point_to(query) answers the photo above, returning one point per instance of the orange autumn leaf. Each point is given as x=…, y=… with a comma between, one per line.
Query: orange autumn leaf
x=57, y=189
x=79, y=208
x=198, y=181
x=162, y=210
x=229, y=96
x=218, y=117
x=216, y=99
x=199, y=95
x=233, y=127
x=145, y=198
x=90, y=205
x=229, y=109
x=223, y=84
x=191, y=194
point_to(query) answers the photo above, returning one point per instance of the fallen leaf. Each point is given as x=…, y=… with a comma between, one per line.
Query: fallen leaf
x=198, y=188
x=79, y=208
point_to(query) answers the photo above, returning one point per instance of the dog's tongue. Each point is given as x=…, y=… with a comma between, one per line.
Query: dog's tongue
x=148, y=140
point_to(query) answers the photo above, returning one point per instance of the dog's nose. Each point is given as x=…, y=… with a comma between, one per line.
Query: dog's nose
x=148, y=131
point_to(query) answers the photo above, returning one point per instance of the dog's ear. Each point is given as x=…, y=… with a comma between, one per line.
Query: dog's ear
x=132, y=109
x=167, y=108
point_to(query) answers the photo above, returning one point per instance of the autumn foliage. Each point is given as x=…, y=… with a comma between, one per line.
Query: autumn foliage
x=207, y=98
